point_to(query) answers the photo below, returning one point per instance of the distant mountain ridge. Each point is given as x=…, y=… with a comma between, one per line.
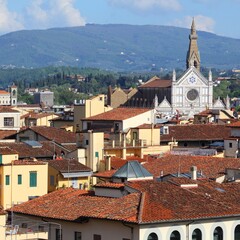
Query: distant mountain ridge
x=116, y=47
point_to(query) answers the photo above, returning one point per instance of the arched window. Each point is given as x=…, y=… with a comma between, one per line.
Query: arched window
x=197, y=234
x=218, y=234
x=195, y=64
x=175, y=235
x=237, y=232
x=152, y=236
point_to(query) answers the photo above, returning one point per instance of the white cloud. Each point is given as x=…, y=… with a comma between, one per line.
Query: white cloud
x=9, y=21
x=202, y=23
x=145, y=5
x=53, y=13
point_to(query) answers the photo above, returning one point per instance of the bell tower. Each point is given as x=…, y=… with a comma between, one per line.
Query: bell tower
x=193, y=56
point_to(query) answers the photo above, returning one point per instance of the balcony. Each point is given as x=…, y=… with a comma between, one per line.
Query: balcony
x=113, y=144
x=21, y=233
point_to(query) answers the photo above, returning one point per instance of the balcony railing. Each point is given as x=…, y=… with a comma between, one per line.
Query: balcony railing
x=125, y=144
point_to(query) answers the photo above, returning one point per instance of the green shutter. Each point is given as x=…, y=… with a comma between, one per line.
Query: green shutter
x=33, y=179
x=7, y=180
x=19, y=179
x=96, y=154
x=0, y=158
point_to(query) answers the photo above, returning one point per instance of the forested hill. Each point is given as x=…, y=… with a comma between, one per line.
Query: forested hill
x=115, y=47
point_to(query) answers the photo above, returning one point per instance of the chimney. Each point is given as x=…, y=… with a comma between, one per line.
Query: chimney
x=108, y=162
x=193, y=171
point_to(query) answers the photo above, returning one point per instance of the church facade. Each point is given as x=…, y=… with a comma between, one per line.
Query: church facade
x=192, y=92
x=184, y=96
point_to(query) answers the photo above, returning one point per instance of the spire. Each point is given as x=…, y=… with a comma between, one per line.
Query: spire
x=193, y=56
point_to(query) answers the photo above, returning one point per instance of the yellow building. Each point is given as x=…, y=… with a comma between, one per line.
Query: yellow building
x=88, y=108
x=68, y=173
x=21, y=180
x=39, y=119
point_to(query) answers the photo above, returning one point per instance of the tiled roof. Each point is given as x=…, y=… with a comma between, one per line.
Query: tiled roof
x=110, y=185
x=169, y=202
x=68, y=165
x=73, y=204
x=4, y=92
x=156, y=82
x=6, y=133
x=6, y=109
x=7, y=151
x=148, y=126
x=105, y=174
x=119, y=114
x=235, y=124
x=196, y=132
x=211, y=167
x=47, y=149
x=27, y=162
x=33, y=115
x=151, y=202
x=56, y=134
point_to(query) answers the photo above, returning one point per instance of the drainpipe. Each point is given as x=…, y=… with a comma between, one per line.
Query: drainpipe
x=130, y=228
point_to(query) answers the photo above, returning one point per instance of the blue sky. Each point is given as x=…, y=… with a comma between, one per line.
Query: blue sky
x=217, y=16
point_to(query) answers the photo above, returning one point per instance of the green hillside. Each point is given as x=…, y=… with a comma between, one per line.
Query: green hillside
x=115, y=47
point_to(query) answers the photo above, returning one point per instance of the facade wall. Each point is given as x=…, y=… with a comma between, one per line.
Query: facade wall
x=231, y=148
x=147, y=117
x=14, y=192
x=15, y=116
x=235, y=132
x=60, y=181
x=207, y=228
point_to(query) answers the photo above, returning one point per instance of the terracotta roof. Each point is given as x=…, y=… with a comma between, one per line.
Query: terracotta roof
x=56, y=134
x=73, y=204
x=6, y=133
x=27, y=162
x=151, y=202
x=68, y=165
x=235, y=124
x=47, y=149
x=169, y=202
x=105, y=174
x=211, y=167
x=6, y=109
x=39, y=115
x=7, y=151
x=194, y=132
x=156, y=82
x=4, y=92
x=110, y=185
x=119, y=114
x=148, y=126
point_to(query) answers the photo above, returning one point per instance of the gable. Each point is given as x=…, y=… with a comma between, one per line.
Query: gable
x=218, y=104
x=164, y=105
x=192, y=77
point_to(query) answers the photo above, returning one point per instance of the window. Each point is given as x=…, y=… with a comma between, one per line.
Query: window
x=116, y=127
x=58, y=234
x=33, y=179
x=52, y=180
x=175, y=235
x=77, y=236
x=19, y=179
x=86, y=142
x=7, y=179
x=152, y=236
x=237, y=232
x=97, y=237
x=89, y=125
x=197, y=234
x=96, y=154
x=230, y=145
x=218, y=234
x=8, y=122
x=135, y=135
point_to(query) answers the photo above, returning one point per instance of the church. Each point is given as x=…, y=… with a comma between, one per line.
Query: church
x=187, y=95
